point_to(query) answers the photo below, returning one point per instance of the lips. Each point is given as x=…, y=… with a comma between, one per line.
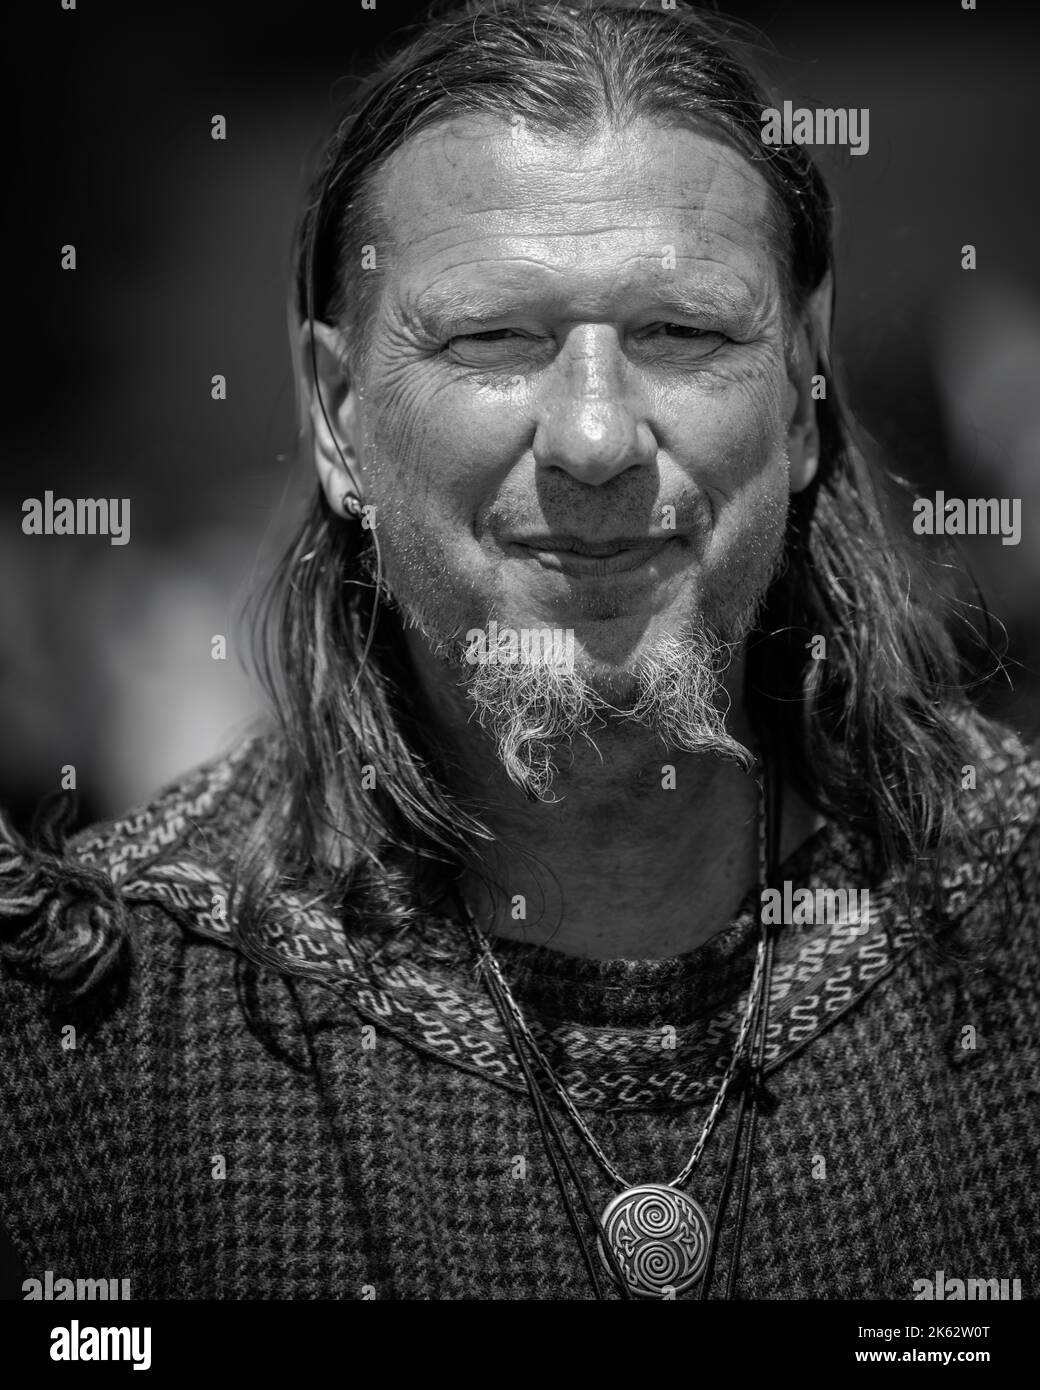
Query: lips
x=593, y=559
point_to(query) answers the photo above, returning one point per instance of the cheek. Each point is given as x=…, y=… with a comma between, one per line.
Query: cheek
x=737, y=451
x=732, y=443
x=437, y=452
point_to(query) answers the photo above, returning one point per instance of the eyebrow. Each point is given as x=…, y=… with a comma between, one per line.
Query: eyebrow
x=438, y=307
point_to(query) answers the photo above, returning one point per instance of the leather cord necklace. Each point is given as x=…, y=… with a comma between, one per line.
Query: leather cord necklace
x=654, y=1239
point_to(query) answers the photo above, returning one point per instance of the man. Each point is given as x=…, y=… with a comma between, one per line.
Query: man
x=626, y=902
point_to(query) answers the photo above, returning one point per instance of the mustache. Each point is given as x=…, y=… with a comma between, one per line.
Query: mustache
x=615, y=508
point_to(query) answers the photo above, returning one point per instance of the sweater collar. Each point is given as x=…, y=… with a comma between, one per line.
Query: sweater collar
x=621, y=1033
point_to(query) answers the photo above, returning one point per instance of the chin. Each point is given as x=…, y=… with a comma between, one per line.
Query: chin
x=614, y=651
x=619, y=682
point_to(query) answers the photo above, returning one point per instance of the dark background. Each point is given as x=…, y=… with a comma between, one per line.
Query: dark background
x=182, y=247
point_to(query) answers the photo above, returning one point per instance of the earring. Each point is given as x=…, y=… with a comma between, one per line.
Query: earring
x=351, y=504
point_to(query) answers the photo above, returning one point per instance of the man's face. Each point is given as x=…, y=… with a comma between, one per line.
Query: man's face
x=576, y=405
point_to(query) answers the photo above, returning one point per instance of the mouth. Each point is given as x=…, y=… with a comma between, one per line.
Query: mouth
x=592, y=559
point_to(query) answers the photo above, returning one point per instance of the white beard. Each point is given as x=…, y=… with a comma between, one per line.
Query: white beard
x=529, y=708
x=675, y=689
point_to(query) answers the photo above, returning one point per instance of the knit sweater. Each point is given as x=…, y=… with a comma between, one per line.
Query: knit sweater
x=330, y=1126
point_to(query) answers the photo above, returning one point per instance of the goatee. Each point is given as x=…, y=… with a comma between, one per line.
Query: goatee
x=533, y=708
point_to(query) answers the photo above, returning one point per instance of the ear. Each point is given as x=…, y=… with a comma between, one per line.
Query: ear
x=809, y=350
x=331, y=403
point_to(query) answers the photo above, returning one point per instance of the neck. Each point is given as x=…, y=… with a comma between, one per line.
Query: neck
x=646, y=852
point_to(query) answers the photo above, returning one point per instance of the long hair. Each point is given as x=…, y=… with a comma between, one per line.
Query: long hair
x=854, y=678
x=875, y=735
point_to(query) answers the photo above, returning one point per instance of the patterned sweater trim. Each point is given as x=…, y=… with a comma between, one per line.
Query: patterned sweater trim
x=177, y=852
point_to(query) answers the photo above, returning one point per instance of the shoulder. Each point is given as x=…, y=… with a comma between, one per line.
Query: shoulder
x=124, y=1025
x=991, y=891
x=204, y=812
x=1003, y=758
x=1000, y=795
x=72, y=908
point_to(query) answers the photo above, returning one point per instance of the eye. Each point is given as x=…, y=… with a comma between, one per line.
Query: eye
x=685, y=330
x=492, y=348
x=681, y=344
x=487, y=335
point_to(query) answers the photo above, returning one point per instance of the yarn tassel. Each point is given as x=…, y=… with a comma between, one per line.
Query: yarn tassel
x=59, y=919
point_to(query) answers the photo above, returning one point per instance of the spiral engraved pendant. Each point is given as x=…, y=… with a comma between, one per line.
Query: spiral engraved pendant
x=659, y=1237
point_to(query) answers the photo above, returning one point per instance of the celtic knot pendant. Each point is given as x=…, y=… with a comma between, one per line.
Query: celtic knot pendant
x=659, y=1237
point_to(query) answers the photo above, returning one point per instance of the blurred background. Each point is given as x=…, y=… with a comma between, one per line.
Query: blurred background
x=182, y=246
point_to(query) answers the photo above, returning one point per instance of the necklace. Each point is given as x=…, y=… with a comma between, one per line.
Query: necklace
x=659, y=1237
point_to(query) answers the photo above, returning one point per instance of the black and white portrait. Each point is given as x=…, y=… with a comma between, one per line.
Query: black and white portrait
x=520, y=659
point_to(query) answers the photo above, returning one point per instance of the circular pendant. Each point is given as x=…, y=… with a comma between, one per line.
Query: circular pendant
x=659, y=1237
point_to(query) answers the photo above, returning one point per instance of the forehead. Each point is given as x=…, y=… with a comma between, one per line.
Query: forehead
x=480, y=201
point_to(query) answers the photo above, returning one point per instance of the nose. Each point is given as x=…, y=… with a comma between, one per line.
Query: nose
x=590, y=422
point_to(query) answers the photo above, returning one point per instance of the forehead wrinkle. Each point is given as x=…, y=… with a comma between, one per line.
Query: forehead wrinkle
x=510, y=247
x=755, y=264
x=699, y=220
x=756, y=219
x=694, y=282
x=695, y=294
x=719, y=158
x=712, y=180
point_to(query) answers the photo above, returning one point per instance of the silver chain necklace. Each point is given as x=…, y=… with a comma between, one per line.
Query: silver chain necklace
x=659, y=1236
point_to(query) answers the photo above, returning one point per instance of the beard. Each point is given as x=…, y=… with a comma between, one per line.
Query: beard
x=674, y=687
x=531, y=709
